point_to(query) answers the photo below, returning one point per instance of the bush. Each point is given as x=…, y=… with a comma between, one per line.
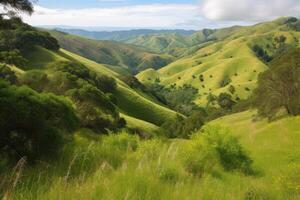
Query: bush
x=225, y=101
x=184, y=127
x=261, y=53
x=15, y=35
x=7, y=74
x=95, y=109
x=35, y=79
x=106, y=84
x=32, y=124
x=13, y=57
x=226, y=81
x=213, y=148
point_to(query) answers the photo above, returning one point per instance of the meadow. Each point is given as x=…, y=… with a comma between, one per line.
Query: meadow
x=122, y=166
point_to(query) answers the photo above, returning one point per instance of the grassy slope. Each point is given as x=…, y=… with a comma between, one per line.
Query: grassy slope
x=129, y=57
x=132, y=103
x=274, y=146
x=230, y=57
x=155, y=170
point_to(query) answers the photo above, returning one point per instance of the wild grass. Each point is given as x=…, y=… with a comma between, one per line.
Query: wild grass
x=123, y=166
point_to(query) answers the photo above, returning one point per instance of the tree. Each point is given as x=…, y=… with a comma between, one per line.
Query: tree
x=32, y=124
x=16, y=6
x=7, y=74
x=231, y=89
x=225, y=101
x=211, y=98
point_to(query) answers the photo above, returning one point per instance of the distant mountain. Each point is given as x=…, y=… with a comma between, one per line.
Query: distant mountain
x=129, y=57
x=122, y=35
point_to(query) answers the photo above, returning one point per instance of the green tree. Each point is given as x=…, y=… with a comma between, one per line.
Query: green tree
x=7, y=74
x=225, y=101
x=15, y=6
x=33, y=125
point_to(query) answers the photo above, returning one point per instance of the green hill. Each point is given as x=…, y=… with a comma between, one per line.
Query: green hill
x=132, y=58
x=130, y=102
x=229, y=61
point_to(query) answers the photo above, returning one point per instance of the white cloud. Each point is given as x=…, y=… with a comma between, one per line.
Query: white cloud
x=154, y=15
x=249, y=10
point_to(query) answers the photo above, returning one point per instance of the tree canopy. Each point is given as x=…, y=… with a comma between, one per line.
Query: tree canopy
x=16, y=6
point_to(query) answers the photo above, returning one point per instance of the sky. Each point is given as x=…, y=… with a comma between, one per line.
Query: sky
x=159, y=14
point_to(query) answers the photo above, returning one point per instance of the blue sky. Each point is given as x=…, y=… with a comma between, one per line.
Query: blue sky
x=69, y=4
x=162, y=14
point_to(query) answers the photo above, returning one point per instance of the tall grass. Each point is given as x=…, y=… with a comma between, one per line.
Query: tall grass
x=122, y=166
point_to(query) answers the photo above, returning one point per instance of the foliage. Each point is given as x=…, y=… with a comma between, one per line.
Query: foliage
x=225, y=101
x=226, y=81
x=35, y=79
x=261, y=53
x=179, y=99
x=16, y=35
x=184, y=127
x=216, y=147
x=85, y=88
x=94, y=109
x=29, y=121
x=7, y=74
x=132, y=82
x=13, y=57
x=13, y=6
x=278, y=87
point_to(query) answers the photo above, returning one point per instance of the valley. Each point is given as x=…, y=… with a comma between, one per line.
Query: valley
x=149, y=114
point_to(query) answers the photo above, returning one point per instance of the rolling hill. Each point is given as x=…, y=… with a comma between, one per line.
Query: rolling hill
x=229, y=61
x=140, y=109
x=131, y=58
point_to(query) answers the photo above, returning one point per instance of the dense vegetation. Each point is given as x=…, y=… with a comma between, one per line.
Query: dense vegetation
x=278, y=87
x=33, y=125
x=17, y=37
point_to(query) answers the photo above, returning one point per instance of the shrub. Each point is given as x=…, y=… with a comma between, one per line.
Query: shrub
x=95, y=110
x=183, y=128
x=261, y=53
x=13, y=57
x=7, y=74
x=225, y=101
x=231, y=89
x=226, y=81
x=35, y=79
x=106, y=84
x=32, y=124
x=216, y=147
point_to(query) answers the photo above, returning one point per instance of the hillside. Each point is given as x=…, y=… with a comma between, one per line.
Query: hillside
x=130, y=102
x=155, y=169
x=229, y=61
x=131, y=58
